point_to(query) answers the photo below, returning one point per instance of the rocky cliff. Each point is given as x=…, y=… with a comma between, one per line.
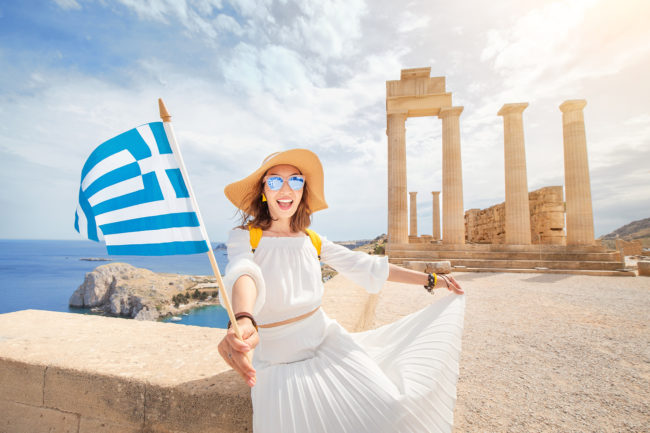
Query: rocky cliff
x=120, y=289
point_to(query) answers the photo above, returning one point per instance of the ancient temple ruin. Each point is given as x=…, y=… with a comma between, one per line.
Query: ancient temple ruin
x=527, y=231
x=416, y=95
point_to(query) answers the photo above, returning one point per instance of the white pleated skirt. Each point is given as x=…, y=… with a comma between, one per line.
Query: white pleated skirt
x=313, y=376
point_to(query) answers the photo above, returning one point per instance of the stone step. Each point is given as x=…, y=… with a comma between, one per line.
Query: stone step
x=622, y=273
x=527, y=264
x=505, y=255
x=496, y=248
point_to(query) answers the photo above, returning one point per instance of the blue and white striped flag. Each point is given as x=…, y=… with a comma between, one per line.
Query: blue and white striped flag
x=134, y=197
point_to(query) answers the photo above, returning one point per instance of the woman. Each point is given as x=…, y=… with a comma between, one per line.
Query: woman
x=307, y=373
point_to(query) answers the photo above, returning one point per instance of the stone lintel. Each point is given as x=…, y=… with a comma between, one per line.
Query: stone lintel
x=450, y=111
x=415, y=86
x=573, y=105
x=518, y=107
x=415, y=73
x=418, y=106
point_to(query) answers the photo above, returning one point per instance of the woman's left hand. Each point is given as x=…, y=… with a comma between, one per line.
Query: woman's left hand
x=451, y=284
x=236, y=352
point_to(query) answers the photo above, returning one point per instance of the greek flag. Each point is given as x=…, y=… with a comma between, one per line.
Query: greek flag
x=134, y=197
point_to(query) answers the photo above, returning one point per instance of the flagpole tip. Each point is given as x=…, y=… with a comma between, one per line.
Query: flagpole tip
x=164, y=114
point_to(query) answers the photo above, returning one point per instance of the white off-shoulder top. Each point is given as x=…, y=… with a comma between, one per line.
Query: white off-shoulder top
x=287, y=272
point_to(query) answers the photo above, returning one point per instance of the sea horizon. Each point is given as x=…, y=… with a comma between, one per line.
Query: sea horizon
x=42, y=274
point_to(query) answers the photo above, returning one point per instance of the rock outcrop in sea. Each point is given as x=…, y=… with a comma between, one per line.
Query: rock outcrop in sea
x=119, y=289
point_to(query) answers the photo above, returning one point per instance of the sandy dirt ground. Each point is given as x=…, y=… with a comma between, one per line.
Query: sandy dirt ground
x=554, y=353
x=540, y=352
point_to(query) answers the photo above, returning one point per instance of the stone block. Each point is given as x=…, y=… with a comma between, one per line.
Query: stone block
x=644, y=268
x=199, y=406
x=24, y=418
x=629, y=248
x=93, y=425
x=95, y=395
x=21, y=382
x=442, y=267
x=416, y=240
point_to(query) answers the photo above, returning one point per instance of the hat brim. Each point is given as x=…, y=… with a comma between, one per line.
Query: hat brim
x=308, y=164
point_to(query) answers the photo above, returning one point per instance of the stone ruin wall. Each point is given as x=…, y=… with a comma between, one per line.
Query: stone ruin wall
x=487, y=226
x=629, y=248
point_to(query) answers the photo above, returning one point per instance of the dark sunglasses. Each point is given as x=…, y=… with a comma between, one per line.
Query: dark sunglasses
x=296, y=182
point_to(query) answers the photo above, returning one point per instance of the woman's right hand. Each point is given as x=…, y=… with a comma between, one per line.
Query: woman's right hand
x=236, y=352
x=450, y=283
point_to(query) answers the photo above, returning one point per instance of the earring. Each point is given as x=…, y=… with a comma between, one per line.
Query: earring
x=263, y=197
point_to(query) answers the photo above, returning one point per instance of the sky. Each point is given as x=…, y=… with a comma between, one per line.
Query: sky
x=246, y=78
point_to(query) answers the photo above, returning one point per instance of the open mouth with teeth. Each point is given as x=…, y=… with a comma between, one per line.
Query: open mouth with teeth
x=285, y=204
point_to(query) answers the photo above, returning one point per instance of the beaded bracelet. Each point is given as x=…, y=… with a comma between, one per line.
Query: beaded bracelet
x=431, y=282
x=243, y=314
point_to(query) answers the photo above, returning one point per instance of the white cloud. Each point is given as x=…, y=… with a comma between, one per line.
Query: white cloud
x=553, y=48
x=410, y=21
x=227, y=24
x=68, y=4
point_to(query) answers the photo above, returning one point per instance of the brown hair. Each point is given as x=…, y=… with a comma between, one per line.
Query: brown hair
x=257, y=211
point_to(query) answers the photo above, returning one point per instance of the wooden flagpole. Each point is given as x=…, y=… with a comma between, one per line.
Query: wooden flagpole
x=223, y=295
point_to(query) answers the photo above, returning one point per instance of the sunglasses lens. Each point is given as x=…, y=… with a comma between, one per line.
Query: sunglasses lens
x=296, y=182
x=274, y=183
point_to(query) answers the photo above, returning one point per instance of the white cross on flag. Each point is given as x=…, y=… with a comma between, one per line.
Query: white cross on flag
x=136, y=197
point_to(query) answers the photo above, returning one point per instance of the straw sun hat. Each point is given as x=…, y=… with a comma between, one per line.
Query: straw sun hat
x=306, y=161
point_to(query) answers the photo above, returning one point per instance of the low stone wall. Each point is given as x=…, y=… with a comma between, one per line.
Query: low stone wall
x=629, y=248
x=83, y=373
x=92, y=374
x=546, y=219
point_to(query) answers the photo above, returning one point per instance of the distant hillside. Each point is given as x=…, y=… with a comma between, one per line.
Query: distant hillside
x=370, y=246
x=635, y=230
x=374, y=246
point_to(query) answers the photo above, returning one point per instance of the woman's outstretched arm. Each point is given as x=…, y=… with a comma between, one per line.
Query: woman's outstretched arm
x=233, y=350
x=408, y=276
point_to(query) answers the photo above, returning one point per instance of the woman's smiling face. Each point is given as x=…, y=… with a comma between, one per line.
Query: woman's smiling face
x=284, y=202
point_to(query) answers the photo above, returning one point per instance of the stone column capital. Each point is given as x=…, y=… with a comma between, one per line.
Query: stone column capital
x=435, y=193
x=450, y=112
x=573, y=105
x=398, y=114
x=413, y=193
x=514, y=108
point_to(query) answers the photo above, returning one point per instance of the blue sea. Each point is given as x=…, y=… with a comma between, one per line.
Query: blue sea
x=42, y=274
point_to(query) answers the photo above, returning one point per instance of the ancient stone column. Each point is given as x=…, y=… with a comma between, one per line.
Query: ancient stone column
x=517, y=209
x=413, y=207
x=579, y=215
x=396, y=131
x=436, y=215
x=453, y=221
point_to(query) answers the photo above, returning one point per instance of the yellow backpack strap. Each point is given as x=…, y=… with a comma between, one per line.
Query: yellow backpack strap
x=315, y=239
x=255, y=236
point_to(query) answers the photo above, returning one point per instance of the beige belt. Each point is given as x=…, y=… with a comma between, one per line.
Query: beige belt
x=293, y=319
